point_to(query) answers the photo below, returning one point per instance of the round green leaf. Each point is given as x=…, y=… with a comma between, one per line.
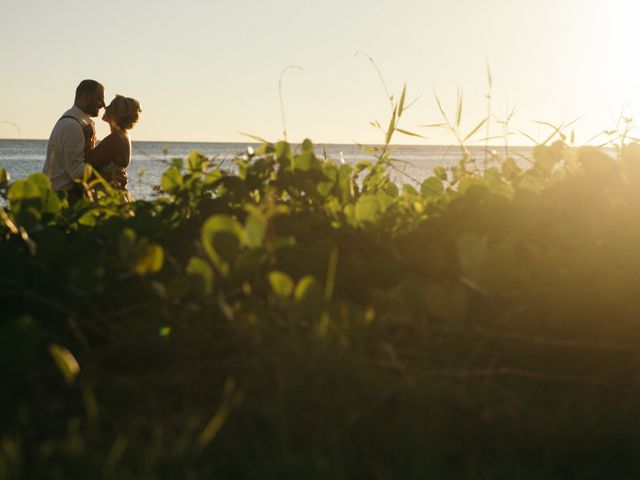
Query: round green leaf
x=281, y=284
x=432, y=186
x=171, y=180
x=23, y=190
x=126, y=243
x=202, y=274
x=367, y=208
x=196, y=162
x=66, y=362
x=308, y=294
x=441, y=173
x=256, y=229
x=41, y=181
x=222, y=237
x=150, y=259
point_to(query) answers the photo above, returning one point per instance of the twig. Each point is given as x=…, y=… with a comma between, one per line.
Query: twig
x=284, y=125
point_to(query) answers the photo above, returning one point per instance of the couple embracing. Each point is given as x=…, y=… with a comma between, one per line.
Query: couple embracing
x=72, y=143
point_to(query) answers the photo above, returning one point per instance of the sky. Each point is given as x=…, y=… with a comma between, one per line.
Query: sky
x=208, y=70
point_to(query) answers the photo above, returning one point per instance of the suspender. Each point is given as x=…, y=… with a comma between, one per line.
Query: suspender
x=69, y=116
x=79, y=123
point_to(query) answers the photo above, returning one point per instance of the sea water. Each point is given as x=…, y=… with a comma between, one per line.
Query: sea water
x=413, y=163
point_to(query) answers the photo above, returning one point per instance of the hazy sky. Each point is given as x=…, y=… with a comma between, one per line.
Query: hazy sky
x=204, y=70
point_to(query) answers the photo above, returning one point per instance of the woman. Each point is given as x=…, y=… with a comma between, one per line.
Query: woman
x=112, y=156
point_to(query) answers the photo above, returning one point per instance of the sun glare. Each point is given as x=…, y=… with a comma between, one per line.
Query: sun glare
x=617, y=52
x=605, y=72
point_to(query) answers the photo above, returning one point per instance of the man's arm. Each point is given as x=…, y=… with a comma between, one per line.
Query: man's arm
x=73, y=150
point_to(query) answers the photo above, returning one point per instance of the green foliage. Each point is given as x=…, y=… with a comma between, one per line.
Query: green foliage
x=265, y=319
x=222, y=236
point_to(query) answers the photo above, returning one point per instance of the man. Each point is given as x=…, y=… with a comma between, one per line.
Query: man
x=66, y=147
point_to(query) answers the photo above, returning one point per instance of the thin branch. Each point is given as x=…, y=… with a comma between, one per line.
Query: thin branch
x=284, y=124
x=384, y=85
x=13, y=124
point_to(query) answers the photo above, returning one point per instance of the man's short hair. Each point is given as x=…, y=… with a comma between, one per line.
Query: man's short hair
x=87, y=86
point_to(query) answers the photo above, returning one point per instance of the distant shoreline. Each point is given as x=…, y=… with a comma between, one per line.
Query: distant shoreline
x=442, y=145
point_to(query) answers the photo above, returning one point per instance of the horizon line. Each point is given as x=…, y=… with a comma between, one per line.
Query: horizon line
x=452, y=145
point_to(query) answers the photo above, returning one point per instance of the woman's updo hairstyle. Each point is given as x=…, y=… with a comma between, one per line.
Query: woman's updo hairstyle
x=126, y=110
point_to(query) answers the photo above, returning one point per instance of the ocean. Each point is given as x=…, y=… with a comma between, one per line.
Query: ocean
x=150, y=159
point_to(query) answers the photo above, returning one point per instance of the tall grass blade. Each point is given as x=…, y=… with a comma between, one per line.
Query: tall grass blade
x=459, y=108
x=444, y=115
x=411, y=134
x=433, y=125
x=472, y=132
x=524, y=134
x=492, y=137
x=380, y=76
x=546, y=124
x=229, y=397
x=284, y=123
x=553, y=134
x=392, y=126
x=254, y=137
x=401, y=104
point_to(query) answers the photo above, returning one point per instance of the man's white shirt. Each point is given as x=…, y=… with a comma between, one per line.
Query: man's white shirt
x=65, y=150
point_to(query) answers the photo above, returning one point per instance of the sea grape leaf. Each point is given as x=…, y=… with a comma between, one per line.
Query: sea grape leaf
x=89, y=218
x=546, y=157
x=307, y=145
x=363, y=165
x=432, y=186
x=330, y=171
x=308, y=294
x=325, y=188
x=22, y=190
x=281, y=284
x=282, y=151
x=171, y=180
x=305, y=161
x=40, y=180
x=441, y=173
x=126, y=243
x=196, y=162
x=222, y=236
x=150, y=259
x=367, y=209
x=595, y=162
x=409, y=190
x=26, y=202
x=202, y=274
x=52, y=203
x=66, y=362
x=391, y=189
x=256, y=230
x=509, y=168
